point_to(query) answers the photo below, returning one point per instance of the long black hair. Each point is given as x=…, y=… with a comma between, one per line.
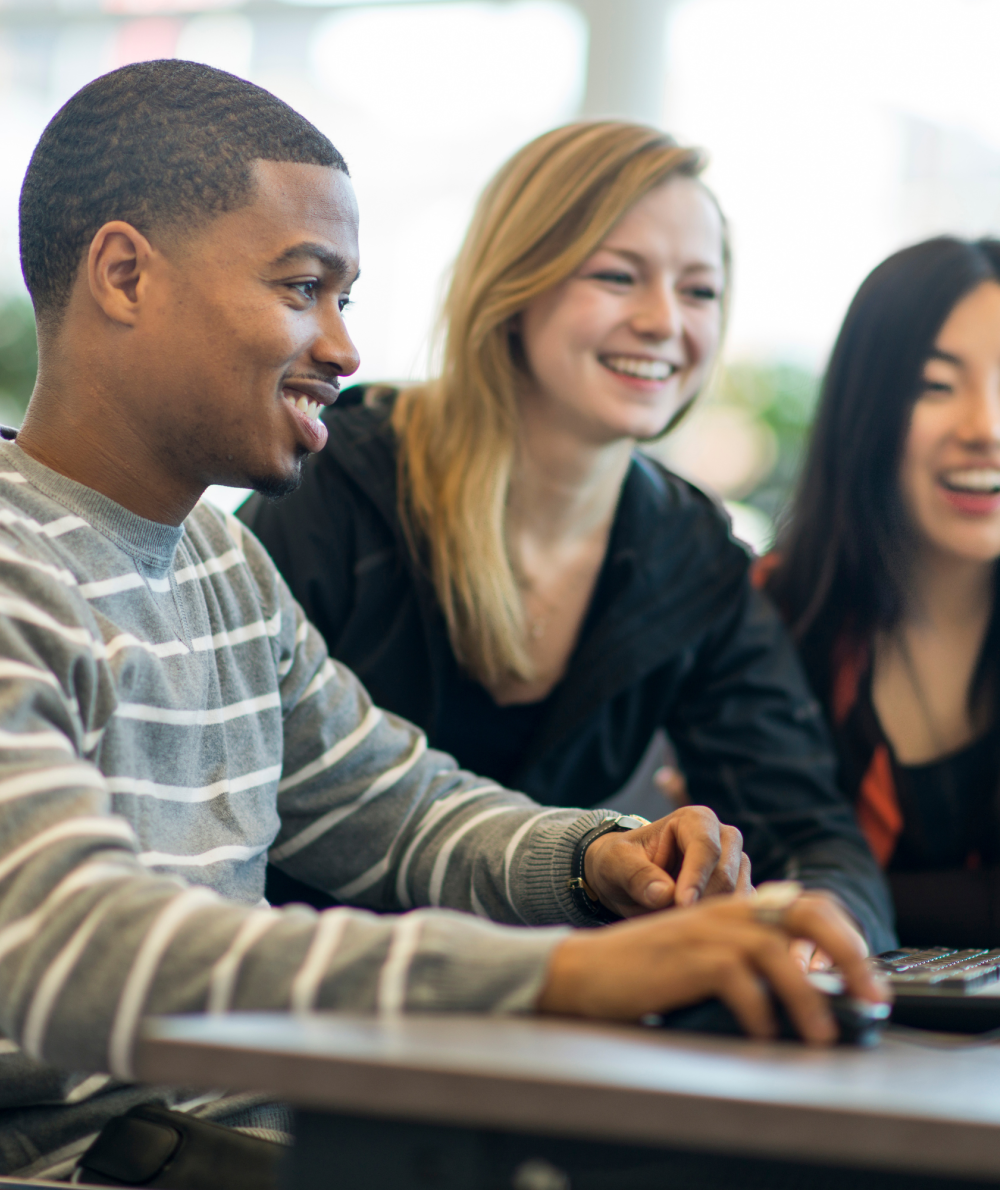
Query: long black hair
x=845, y=551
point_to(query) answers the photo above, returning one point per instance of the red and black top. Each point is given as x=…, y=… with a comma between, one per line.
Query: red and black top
x=933, y=828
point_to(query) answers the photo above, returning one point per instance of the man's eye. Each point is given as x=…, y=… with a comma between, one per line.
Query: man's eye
x=344, y=303
x=703, y=293
x=308, y=289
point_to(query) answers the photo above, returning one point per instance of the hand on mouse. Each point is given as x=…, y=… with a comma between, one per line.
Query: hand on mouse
x=665, y=961
x=676, y=860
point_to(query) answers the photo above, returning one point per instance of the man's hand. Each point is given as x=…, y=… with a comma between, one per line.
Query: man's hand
x=668, y=960
x=673, y=861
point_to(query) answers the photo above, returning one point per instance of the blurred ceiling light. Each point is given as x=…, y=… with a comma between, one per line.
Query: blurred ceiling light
x=428, y=81
x=163, y=7
x=225, y=42
x=145, y=40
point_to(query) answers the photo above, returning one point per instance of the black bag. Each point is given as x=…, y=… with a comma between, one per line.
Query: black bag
x=152, y=1146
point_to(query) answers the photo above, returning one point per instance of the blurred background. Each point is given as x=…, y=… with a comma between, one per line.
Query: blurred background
x=837, y=133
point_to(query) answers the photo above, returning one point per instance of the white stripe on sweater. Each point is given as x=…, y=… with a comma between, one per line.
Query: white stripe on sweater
x=319, y=827
x=512, y=846
x=126, y=640
x=439, y=810
x=16, y=558
x=56, y=528
x=17, y=669
x=327, y=671
x=217, y=855
x=112, y=586
x=72, y=828
x=376, y=872
x=238, y=636
x=390, y=996
x=332, y=755
x=58, y=971
x=443, y=858
x=326, y=938
x=216, y=565
x=226, y=971
x=141, y=787
x=197, y=718
x=21, y=609
x=89, y=1086
x=65, y=776
x=13, y=476
x=18, y=932
x=143, y=972
x=29, y=740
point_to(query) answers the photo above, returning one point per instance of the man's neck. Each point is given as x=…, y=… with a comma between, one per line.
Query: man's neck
x=84, y=438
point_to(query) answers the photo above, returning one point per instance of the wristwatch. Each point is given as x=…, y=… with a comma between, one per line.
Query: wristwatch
x=584, y=897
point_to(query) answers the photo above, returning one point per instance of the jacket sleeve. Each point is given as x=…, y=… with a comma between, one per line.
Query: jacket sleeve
x=753, y=745
x=92, y=940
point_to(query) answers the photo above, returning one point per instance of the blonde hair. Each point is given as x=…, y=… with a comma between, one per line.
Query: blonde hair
x=544, y=213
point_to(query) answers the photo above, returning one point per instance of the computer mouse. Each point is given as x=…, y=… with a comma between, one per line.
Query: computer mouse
x=860, y=1021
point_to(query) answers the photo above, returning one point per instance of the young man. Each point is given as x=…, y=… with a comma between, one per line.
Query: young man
x=167, y=716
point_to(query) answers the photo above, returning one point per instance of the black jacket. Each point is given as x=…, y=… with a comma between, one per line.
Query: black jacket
x=677, y=638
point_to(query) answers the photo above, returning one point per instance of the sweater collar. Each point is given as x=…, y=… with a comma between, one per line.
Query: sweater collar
x=146, y=541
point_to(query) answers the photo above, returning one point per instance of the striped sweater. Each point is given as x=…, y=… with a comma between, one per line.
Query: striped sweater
x=168, y=720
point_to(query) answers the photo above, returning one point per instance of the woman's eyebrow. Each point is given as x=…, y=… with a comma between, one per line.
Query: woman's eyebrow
x=638, y=258
x=946, y=356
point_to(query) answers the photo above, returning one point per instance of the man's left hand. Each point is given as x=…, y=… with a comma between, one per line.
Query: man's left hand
x=676, y=860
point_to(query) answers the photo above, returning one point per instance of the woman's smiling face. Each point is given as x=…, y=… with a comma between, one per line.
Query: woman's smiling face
x=950, y=473
x=615, y=350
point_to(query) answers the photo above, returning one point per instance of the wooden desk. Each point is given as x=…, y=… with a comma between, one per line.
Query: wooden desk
x=899, y=1109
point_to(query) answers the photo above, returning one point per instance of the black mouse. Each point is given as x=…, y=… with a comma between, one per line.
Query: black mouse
x=860, y=1021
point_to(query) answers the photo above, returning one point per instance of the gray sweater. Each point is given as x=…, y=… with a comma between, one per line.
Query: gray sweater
x=168, y=720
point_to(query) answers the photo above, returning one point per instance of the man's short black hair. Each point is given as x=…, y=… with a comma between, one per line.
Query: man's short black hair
x=153, y=143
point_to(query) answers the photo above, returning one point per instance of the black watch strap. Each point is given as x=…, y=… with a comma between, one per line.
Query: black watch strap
x=583, y=896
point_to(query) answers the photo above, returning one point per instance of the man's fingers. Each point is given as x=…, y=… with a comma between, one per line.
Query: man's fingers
x=705, y=845
x=816, y=916
x=743, y=884
x=730, y=865
x=747, y=998
x=802, y=951
x=806, y=1006
x=650, y=887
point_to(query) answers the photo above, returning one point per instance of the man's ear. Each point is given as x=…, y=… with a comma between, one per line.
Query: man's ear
x=118, y=267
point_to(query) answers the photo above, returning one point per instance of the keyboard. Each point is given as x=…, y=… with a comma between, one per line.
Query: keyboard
x=940, y=967
x=944, y=988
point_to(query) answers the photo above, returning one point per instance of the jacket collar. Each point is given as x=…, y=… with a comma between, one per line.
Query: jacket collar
x=668, y=555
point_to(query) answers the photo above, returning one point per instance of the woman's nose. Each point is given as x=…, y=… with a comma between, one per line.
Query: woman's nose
x=659, y=314
x=981, y=412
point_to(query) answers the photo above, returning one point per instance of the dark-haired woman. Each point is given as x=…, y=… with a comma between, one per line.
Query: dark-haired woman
x=887, y=575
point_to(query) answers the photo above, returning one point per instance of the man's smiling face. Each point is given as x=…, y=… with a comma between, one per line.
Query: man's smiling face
x=247, y=341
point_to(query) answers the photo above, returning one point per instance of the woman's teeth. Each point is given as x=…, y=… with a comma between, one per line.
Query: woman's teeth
x=632, y=365
x=981, y=480
x=304, y=405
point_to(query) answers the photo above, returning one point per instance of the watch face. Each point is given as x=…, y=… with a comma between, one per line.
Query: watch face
x=629, y=822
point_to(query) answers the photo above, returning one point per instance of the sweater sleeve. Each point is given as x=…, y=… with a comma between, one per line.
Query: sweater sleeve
x=92, y=940
x=753, y=745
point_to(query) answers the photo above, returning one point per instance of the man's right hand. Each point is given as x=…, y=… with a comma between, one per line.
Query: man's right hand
x=715, y=949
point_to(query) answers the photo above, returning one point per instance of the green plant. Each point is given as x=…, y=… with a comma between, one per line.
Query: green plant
x=783, y=397
x=18, y=358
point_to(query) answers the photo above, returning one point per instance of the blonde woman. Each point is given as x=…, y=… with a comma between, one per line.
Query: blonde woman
x=496, y=561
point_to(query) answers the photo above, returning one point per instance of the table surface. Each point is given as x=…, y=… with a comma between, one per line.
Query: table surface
x=900, y=1106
